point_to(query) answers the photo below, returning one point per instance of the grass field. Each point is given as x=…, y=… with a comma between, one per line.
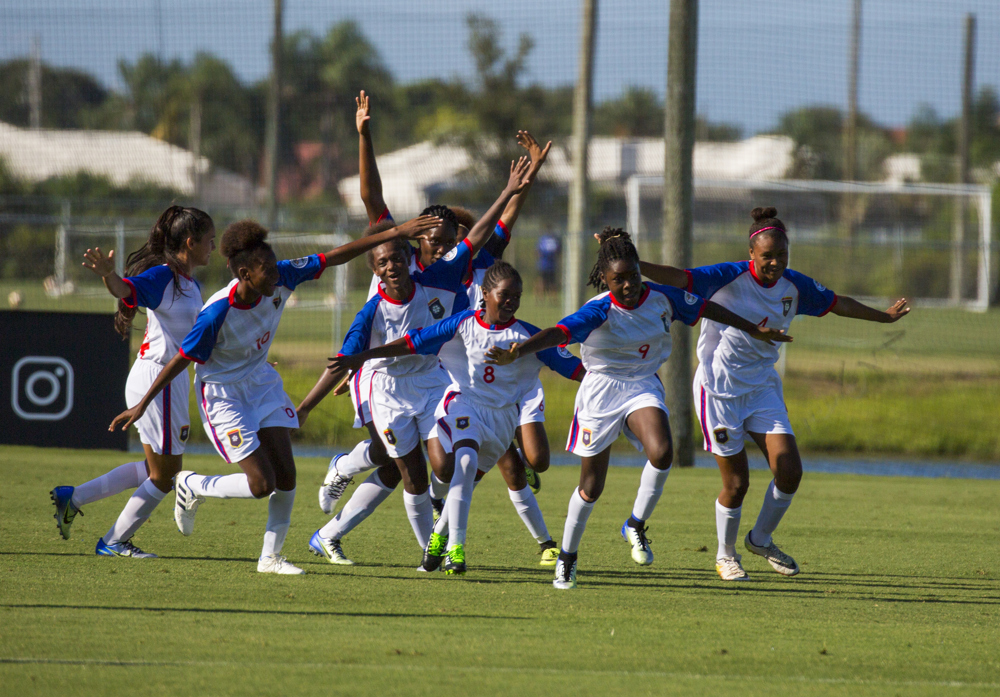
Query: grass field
x=899, y=595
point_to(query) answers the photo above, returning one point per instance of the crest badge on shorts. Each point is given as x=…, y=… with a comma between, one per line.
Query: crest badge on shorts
x=185, y=430
x=390, y=437
x=235, y=437
x=721, y=435
x=786, y=306
x=436, y=308
x=585, y=436
x=462, y=423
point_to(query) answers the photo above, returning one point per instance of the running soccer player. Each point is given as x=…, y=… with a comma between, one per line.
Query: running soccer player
x=479, y=413
x=625, y=336
x=737, y=391
x=244, y=408
x=158, y=278
x=405, y=392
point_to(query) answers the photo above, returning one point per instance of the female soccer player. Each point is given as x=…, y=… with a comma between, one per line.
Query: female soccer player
x=244, y=407
x=737, y=391
x=158, y=278
x=478, y=414
x=625, y=337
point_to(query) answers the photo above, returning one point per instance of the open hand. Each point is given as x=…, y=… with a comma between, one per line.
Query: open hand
x=102, y=265
x=414, y=229
x=499, y=356
x=127, y=417
x=518, y=176
x=344, y=386
x=898, y=310
x=363, y=116
x=770, y=336
x=348, y=363
x=535, y=151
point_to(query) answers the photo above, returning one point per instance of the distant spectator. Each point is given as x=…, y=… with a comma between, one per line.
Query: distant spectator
x=548, y=265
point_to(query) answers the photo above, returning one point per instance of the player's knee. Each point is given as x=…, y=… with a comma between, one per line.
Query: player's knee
x=661, y=455
x=591, y=491
x=260, y=486
x=736, y=487
x=161, y=481
x=539, y=461
x=789, y=472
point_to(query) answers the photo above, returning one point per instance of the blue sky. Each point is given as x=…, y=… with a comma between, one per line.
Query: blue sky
x=756, y=59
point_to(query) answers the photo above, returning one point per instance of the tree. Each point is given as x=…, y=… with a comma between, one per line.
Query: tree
x=637, y=113
x=69, y=97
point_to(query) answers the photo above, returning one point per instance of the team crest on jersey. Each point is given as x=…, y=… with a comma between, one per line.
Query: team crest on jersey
x=690, y=299
x=436, y=308
x=564, y=352
x=390, y=437
x=184, y=433
x=721, y=435
x=452, y=254
x=277, y=302
x=585, y=436
x=462, y=423
x=299, y=263
x=819, y=286
x=786, y=306
x=235, y=437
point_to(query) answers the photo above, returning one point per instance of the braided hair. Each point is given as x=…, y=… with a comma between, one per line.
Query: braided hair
x=766, y=224
x=399, y=242
x=241, y=241
x=167, y=238
x=498, y=273
x=616, y=245
x=446, y=214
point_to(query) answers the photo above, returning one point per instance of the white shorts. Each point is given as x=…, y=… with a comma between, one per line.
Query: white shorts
x=165, y=426
x=725, y=421
x=361, y=387
x=460, y=418
x=603, y=404
x=403, y=408
x=232, y=413
x=533, y=406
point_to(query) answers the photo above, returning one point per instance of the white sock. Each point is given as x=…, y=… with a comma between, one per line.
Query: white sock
x=217, y=486
x=439, y=489
x=776, y=502
x=727, y=527
x=441, y=526
x=279, y=516
x=421, y=515
x=356, y=461
x=576, y=522
x=137, y=510
x=121, y=478
x=460, y=495
x=650, y=487
x=527, y=507
x=366, y=498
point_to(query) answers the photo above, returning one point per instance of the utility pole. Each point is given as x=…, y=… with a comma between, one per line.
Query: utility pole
x=678, y=204
x=851, y=124
x=273, y=119
x=35, y=84
x=962, y=175
x=194, y=144
x=573, y=265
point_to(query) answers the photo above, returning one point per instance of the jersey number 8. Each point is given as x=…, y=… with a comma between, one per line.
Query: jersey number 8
x=488, y=375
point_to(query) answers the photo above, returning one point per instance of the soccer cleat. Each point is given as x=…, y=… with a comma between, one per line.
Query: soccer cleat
x=549, y=556
x=121, y=549
x=438, y=506
x=779, y=561
x=730, y=569
x=333, y=487
x=435, y=553
x=455, y=563
x=185, y=503
x=277, y=564
x=636, y=537
x=330, y=549
x=534, y=479
x=62, y=498
x=565, y=572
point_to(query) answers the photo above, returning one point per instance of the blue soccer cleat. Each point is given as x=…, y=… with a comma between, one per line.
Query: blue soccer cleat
x=331, y=549
x=121, y=549
x=62, y=498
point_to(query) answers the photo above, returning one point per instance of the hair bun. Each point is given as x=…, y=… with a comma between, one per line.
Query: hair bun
x=759, y=213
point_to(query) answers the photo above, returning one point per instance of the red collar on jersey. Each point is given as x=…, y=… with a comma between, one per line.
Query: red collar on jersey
x=239, y=305
x=482, y=322
x=753, y=272
x=381, y=292
x=642, y=299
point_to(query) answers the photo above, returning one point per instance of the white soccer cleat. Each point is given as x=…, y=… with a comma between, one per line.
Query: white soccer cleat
x=779, y=561
x=185, y=503
x=730, y=569
x=636, y=537
x=565, y=574
x=331, y=549
x=333, y=487
x=277, y=564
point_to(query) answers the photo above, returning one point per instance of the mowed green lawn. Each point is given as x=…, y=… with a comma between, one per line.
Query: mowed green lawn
x=899, y=594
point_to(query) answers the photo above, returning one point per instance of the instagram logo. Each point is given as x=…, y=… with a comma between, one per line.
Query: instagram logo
x=42, y=388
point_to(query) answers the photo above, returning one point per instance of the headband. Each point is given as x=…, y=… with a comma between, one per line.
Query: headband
x=772, y=227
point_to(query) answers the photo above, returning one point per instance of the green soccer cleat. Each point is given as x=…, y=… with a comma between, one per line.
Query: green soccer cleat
x=435, y=553
x=534, y=479
x=455, y=563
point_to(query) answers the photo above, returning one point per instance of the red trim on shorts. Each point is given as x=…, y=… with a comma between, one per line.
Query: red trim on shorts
x=704, y=424
x=574, y=431
x=218, y=443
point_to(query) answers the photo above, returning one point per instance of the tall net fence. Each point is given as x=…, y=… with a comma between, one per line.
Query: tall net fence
x=110, y=111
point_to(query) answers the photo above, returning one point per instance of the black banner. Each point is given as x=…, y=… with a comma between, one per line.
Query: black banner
x=62, y=379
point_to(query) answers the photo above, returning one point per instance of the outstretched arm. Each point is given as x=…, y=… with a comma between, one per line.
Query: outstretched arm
x=394, y=349
x=718, y=313
x=849, y=307
x=664, y=275
x=538, y=155
x=104, y=266
x=327, y=381
x=410, y=230
x=177, y=365
x=547, y=338
x=371, y=182
x=483, y=228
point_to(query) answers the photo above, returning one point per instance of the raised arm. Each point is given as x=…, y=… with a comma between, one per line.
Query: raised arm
x=484, y=227
x=849, y=307
x=538, y=155
x=664, y=275
x=718, y=313
x=104, y=266
x=177, y=365
x=545, y=339
x=371, y=182
x=410, y=230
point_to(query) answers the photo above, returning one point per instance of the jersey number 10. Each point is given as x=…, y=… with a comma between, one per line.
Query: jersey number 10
x=263, y=340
